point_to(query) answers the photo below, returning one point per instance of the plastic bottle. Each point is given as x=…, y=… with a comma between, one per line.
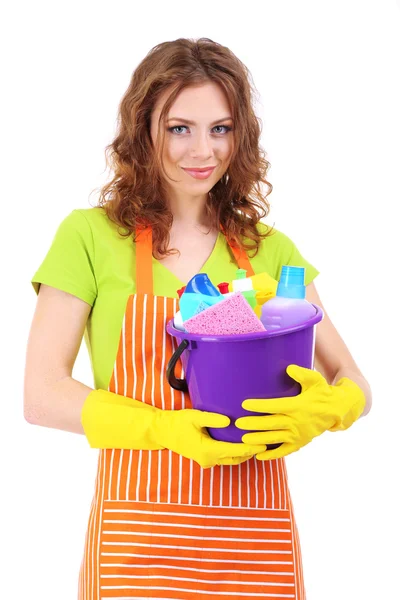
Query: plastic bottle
x=264, y=284
x=289, y=307
x=198, y=290
x=242, y=283
x=250, y=296
x=178, y=321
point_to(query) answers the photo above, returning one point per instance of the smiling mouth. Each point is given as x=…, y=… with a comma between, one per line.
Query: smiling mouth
x=200, y=173
x=199, y=169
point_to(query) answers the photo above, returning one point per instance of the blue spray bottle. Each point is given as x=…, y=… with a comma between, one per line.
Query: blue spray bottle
x=199, y=290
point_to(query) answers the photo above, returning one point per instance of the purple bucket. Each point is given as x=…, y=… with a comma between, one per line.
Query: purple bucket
x=223, y=371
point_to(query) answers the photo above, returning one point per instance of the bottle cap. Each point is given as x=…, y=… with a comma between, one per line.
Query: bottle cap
x=291, y=282
x=180, y=292
x=241, y=274
x=223, y=287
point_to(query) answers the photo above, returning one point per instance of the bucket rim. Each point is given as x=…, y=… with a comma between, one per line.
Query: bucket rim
x=245, y=337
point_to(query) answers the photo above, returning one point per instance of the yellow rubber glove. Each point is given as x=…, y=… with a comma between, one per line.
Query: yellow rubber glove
x=295, y=421
x=113, y=421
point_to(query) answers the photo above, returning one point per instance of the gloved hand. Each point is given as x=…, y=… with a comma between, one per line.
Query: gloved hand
x=295, y=421
x=113, y=421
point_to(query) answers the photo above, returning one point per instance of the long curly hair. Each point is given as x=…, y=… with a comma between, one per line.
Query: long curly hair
x=136, y=196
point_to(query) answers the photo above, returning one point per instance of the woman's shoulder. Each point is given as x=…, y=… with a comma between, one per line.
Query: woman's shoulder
x=95, y=216
x=278, y=249
x=275, y=237
x=92, y=221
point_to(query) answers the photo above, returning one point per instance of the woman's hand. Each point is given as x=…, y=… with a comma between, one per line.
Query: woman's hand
x=295, y=421
x=184, y=431
x=114, y=421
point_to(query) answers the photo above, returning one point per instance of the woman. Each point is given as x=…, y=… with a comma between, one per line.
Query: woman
x=176, y=514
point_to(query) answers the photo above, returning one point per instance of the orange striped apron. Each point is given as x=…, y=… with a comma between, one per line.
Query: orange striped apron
x=161, y=526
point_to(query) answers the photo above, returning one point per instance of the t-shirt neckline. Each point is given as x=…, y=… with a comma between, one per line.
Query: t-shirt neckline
x=206, y=266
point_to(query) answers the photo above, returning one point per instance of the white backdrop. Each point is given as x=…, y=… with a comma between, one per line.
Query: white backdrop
x=328, y=78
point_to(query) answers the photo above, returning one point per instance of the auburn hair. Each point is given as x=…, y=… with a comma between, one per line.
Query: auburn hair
x=136, y=196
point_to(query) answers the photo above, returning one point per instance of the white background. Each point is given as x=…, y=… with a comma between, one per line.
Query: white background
x=328, y=78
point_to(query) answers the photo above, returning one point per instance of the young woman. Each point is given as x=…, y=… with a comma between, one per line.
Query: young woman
x=176, y=514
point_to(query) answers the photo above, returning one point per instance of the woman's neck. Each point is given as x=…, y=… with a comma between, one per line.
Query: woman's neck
x=189, y=212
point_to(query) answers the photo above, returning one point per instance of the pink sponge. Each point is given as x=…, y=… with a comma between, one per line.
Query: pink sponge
x=228, y=317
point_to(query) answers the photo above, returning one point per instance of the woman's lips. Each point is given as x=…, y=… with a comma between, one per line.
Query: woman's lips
x=199, y=174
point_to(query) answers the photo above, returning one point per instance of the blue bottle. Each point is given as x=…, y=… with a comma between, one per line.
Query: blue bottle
x=289, y=307
x=198, y=290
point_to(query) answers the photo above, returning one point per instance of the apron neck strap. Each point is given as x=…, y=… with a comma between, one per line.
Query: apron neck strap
x=144, y=265
x=144, y=256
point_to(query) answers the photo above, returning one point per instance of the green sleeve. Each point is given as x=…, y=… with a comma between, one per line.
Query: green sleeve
x=291, y=256
x=69, y=263
x=278, y=250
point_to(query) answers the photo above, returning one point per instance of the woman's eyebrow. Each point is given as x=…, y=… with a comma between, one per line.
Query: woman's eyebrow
x=193, y=123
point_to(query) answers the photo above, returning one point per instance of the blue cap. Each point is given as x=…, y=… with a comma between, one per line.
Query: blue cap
x=201, y=284
x=291, y=282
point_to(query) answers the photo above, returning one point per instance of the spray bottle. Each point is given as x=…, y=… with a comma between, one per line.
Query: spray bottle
x=198, y=291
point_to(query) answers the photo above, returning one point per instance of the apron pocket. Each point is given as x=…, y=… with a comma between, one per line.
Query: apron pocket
x=181, y=551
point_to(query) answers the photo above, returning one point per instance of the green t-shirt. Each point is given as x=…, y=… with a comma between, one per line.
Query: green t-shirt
x=89, y=259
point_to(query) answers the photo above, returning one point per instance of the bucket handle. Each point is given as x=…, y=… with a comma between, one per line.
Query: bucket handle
x=177, y=384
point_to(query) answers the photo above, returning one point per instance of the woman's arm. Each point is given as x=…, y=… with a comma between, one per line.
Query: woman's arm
x=52, y=398
x=332, y=357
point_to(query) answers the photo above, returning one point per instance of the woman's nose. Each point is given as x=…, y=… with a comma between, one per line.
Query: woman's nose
x=201, y=145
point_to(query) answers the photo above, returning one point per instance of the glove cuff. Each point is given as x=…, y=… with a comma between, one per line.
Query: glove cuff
x=114, y=421
x=354, y=401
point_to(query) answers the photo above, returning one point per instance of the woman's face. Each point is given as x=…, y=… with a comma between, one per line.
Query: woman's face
x=207, y=141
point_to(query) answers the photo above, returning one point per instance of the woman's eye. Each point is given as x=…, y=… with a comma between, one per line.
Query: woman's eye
x=174, y=129
x=226, y=127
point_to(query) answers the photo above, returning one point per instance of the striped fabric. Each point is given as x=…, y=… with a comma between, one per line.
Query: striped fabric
x=160, y=526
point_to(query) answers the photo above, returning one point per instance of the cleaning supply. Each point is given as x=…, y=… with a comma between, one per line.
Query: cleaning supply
x=289, y=307
x=250, y=296
x=253, y=301
x=262, y=282
x=202, y=306
x=223, y=287
x=114, y=421
x=221, y=371
x=242, y=283
x=201, y=284
x=266, y=287
x=199, y=289
x=178, y=321
x=257, y=311
x=319, y=407
x=263, y=297
x=231, y=316
x=180, y=292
